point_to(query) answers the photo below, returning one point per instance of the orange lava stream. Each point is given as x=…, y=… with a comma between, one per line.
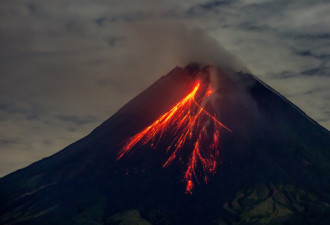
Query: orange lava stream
x=187, y=122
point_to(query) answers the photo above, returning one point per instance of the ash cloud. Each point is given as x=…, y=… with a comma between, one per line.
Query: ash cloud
x=178, y=44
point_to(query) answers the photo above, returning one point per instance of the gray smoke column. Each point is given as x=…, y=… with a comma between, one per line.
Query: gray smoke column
x=170, y=43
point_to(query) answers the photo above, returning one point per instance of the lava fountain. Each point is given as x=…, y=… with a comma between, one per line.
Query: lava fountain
x=189, y=125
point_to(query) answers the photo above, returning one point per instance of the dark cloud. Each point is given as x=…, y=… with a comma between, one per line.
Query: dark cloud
x=113, y=41
x=317, y=71
x=311, y=37
x=214, y=4
x=130, y=18
x=309, y=53
x=211, y=6
x=100, y=21
x=7, y=142
x=32, y=8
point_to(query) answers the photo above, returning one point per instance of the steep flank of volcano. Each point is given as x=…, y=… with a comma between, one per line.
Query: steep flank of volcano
x=202, y=145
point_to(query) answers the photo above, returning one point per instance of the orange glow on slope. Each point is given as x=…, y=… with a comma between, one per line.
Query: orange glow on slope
x=188, y=122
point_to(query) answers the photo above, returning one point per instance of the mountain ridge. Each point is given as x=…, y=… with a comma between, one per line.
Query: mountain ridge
x=288, y=101
x=273, y=172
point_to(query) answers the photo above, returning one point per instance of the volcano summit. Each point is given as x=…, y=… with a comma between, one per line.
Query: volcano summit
x=202, y=146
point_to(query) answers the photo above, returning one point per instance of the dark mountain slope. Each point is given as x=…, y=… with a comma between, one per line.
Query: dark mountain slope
x=273, y=166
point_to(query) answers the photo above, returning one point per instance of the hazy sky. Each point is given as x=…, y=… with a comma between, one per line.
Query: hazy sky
x=66, y=66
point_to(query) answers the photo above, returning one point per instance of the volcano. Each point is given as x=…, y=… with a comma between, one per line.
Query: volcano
x=201, y=146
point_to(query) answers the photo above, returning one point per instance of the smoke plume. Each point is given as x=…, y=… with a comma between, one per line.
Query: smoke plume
x=171, y=43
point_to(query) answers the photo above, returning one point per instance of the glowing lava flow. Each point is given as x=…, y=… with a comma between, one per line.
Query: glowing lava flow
x=188, y=123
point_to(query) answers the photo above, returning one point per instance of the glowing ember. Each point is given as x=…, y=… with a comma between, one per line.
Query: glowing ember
x=189, y=124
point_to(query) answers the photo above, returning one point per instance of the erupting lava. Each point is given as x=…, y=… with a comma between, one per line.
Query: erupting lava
x=187, y=123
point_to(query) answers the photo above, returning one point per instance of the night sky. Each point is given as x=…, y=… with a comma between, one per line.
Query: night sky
x=66, y=66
